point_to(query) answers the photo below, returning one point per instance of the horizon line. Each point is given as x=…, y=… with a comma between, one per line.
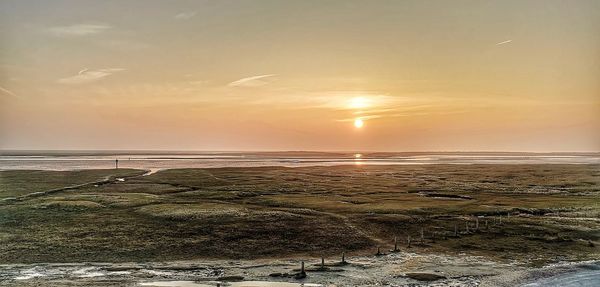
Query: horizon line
x=283, y=151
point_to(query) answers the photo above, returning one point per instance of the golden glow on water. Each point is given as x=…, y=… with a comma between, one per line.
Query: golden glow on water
x=358, y=159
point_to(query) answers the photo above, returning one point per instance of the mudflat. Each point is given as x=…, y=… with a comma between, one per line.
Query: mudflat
x=532, y=214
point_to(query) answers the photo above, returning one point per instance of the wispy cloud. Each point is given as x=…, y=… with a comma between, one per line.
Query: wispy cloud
x=87, y=76
x=79, y=29
x=254, y=81
x=364, y=118
x=128, y=45
x=398, y=110
x=350, y=101
x=198, y=82
x=185, y=15
x=503, y=42
x=4, y=91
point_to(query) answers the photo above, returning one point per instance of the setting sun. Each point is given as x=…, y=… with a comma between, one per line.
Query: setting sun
x=144, y=142
x=358, y=123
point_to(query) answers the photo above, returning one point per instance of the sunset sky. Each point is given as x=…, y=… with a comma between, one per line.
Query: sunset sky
x=300, y=75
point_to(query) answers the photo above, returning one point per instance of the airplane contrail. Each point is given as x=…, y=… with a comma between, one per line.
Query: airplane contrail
x=503, y=42
x=5, y=91
x=251, y=81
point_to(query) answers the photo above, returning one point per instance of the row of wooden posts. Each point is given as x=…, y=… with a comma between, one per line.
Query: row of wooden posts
x=468, y=229
x=495, y=220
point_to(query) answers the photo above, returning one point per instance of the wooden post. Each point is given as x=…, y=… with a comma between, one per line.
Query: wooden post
x=322, y=263
x=302, y=273
x=395, y=243
x=116, y=163
x=476, y=223
x=408, y=240
x=378, y=251
x=343, y=257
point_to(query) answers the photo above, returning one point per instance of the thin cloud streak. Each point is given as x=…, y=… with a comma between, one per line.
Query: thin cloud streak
x=8, y=92
x=79, y=29
x=333, y=100
x=125, y=45
x=186, y=15
x=87, y=76
x=503, y=42
x=347, y=100
x=364, y=118
x=254, y=81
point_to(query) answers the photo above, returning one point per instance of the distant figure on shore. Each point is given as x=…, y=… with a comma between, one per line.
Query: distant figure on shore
x=116, y=163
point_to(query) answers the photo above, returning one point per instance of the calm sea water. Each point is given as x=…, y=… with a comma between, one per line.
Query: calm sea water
x=158, y=161
x=588, y=277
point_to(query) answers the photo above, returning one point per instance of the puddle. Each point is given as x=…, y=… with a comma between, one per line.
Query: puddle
x=87, y=273
x=174, y=284
x=29, y=274
x=151, y=171
x=580, y=278
x=270, y=284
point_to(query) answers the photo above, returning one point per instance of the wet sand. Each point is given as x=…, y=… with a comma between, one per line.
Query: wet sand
x=389, y=270
x=169, y=160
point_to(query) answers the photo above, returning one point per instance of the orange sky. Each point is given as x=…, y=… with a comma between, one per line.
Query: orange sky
x=296, y=75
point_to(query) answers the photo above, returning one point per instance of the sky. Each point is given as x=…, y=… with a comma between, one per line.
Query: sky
x=300, y=75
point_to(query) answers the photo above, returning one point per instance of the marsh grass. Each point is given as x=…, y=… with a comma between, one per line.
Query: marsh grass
x=310, y=211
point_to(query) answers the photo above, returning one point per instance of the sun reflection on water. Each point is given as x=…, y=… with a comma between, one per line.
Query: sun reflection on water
x=358, y=159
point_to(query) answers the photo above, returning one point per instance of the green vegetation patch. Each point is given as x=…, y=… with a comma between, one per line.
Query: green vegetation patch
x=70, y=205
x=14, y=183
x=498, y=211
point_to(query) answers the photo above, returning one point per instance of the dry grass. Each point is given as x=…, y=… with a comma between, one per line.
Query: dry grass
x=280, y=212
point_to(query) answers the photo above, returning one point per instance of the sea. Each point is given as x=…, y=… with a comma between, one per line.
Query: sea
x=154, y=161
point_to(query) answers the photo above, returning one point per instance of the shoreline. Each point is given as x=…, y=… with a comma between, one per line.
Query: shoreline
x=248, y=160
x=393, y=269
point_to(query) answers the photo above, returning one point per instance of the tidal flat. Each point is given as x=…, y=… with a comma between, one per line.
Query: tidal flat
x=471, y=222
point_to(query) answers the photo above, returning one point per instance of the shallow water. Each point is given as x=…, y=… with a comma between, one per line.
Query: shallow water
x=154, y=162
x=363, y=271
x=580, y=278
x=174, y=284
